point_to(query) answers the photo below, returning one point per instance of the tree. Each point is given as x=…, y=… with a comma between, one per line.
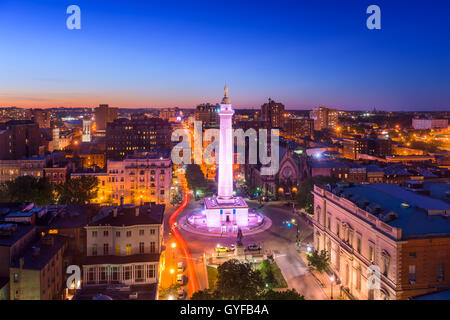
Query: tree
x=238, y=281
x=282, y=295
x=80, y=190
x=203, y=295
x=305, y=198
x=319, y=261
x=28, y=188
x=195, y=178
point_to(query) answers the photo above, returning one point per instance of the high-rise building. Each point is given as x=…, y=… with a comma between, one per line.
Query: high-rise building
x=19, y=139
x=86, y=137
x=273, y=113
x=324, y=118
x=300, y=127
x=423, y=124
x=125, y=137
x=207, y=114
x=170, y=114
x=41, y=117
x=104, y=115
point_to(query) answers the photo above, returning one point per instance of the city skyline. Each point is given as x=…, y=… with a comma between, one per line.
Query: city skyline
x=152, y=55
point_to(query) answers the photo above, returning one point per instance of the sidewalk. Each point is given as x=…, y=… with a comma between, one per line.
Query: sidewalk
x=323, y=279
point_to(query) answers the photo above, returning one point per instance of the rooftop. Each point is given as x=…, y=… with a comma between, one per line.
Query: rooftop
x=126, y=215
x=14, y=233
x=415, y=214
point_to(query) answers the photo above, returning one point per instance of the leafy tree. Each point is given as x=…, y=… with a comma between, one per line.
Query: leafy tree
x=319, y=261
x=78, y=190
x=28, y=188
x=282, y=295
x=304, y=198
x=268, y=274
x=195, y=179
x=203, y=295
x=238, y=281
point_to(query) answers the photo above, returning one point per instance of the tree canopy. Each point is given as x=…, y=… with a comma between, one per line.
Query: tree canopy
x=28, y=188
x=319, y=261
x=195, y=178
x=304, y=198
x=80, y=190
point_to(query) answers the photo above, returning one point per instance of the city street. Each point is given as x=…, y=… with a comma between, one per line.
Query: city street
x=279, y=239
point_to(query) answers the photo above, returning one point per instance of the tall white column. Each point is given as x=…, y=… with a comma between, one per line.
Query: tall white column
x=225, y=189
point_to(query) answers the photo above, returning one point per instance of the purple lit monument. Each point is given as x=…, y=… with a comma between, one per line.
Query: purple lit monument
x=226, y=211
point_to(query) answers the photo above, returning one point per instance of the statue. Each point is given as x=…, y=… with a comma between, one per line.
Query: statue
x=239, y=238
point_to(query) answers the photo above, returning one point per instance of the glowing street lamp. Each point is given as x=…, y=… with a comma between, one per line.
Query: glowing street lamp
x=332, y=279
x=173, y=245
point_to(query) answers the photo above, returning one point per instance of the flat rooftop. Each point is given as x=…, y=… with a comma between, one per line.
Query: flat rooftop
x=411, y=209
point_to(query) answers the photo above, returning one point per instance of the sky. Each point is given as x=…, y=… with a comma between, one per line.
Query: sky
x=181, y=53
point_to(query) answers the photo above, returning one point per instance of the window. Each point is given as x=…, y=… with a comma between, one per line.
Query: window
x=412, y=255
x=105, y=249
x=94, y=234
x=126, y=272
x=16, y=277
x=152, y=247
x=358, y=244
x=118, y=249
x=371, y=254
x=94, y=249
x=141, y=247
x=338, y=229
x=128, y=234
x=141, y=232
x=440, y=272
x=139, y=272
x=358, y=278
x=150, y=271
x=412, y=274
x=117, y=234
x=329, y=223
x=105, y=233
x=128, y=249
x=152, y=231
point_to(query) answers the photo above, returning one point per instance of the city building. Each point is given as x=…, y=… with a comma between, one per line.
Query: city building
x=324, y=118
x=19, y=139
x=171, y=114
x=423, y=124
x=207, y=114
x=11, y=169
x=125, y=137
x=86, y=137
x=400, y=237
x=273, y=113
x=104, y=115
x=38, y=273
x=299, y=128
x=354, y=148
x=124, y=246
x=145, y=177
x=41, y=117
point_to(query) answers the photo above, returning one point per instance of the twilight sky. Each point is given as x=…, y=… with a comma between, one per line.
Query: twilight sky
x=180, y=53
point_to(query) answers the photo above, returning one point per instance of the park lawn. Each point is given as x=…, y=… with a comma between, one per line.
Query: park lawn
x=212, y=277
x=278, y=276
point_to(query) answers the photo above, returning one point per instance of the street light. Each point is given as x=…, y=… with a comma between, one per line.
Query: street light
x=173, y=245
x=309, y=249
x=172, y=271
x=332, y=282
x=170, y=298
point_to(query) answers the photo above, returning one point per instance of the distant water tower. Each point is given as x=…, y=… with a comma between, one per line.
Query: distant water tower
x=86, y=131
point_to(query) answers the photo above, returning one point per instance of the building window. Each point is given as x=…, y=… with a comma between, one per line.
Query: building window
x=440, y=272
x=152, y=247
x=126, y=272
x=412, y=274
x=358, y=278
x=117, y=234
x=358, y=244
x=128, y=249
x=91, y=275
x=329, y=223
x=338, y=229
x=16, y=277
x=371, y=254
x=105, y=233
x=141, y=232
x=128, y=234
x=94, y=249
x=412, y=255
x=94, y=234
x=150, y=271
x=118, y=249
x=152, y=231
x=105, y=249
x=141, y=247
x=139, y=272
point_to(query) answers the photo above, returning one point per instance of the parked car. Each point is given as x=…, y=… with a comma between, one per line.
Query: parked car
x=253, y=247
x=181, y=266
x=180, y=279
x=181, y=294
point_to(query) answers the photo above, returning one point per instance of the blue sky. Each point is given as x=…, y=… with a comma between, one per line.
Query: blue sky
x=181, y=53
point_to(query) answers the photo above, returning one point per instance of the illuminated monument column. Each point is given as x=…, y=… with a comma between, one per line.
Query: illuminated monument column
x=226, y=211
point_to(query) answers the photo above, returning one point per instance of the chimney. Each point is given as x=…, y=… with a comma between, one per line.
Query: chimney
x=115, y=212
x=137, y=211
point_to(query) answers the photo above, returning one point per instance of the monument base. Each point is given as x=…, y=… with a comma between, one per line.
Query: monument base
x=231, y=213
